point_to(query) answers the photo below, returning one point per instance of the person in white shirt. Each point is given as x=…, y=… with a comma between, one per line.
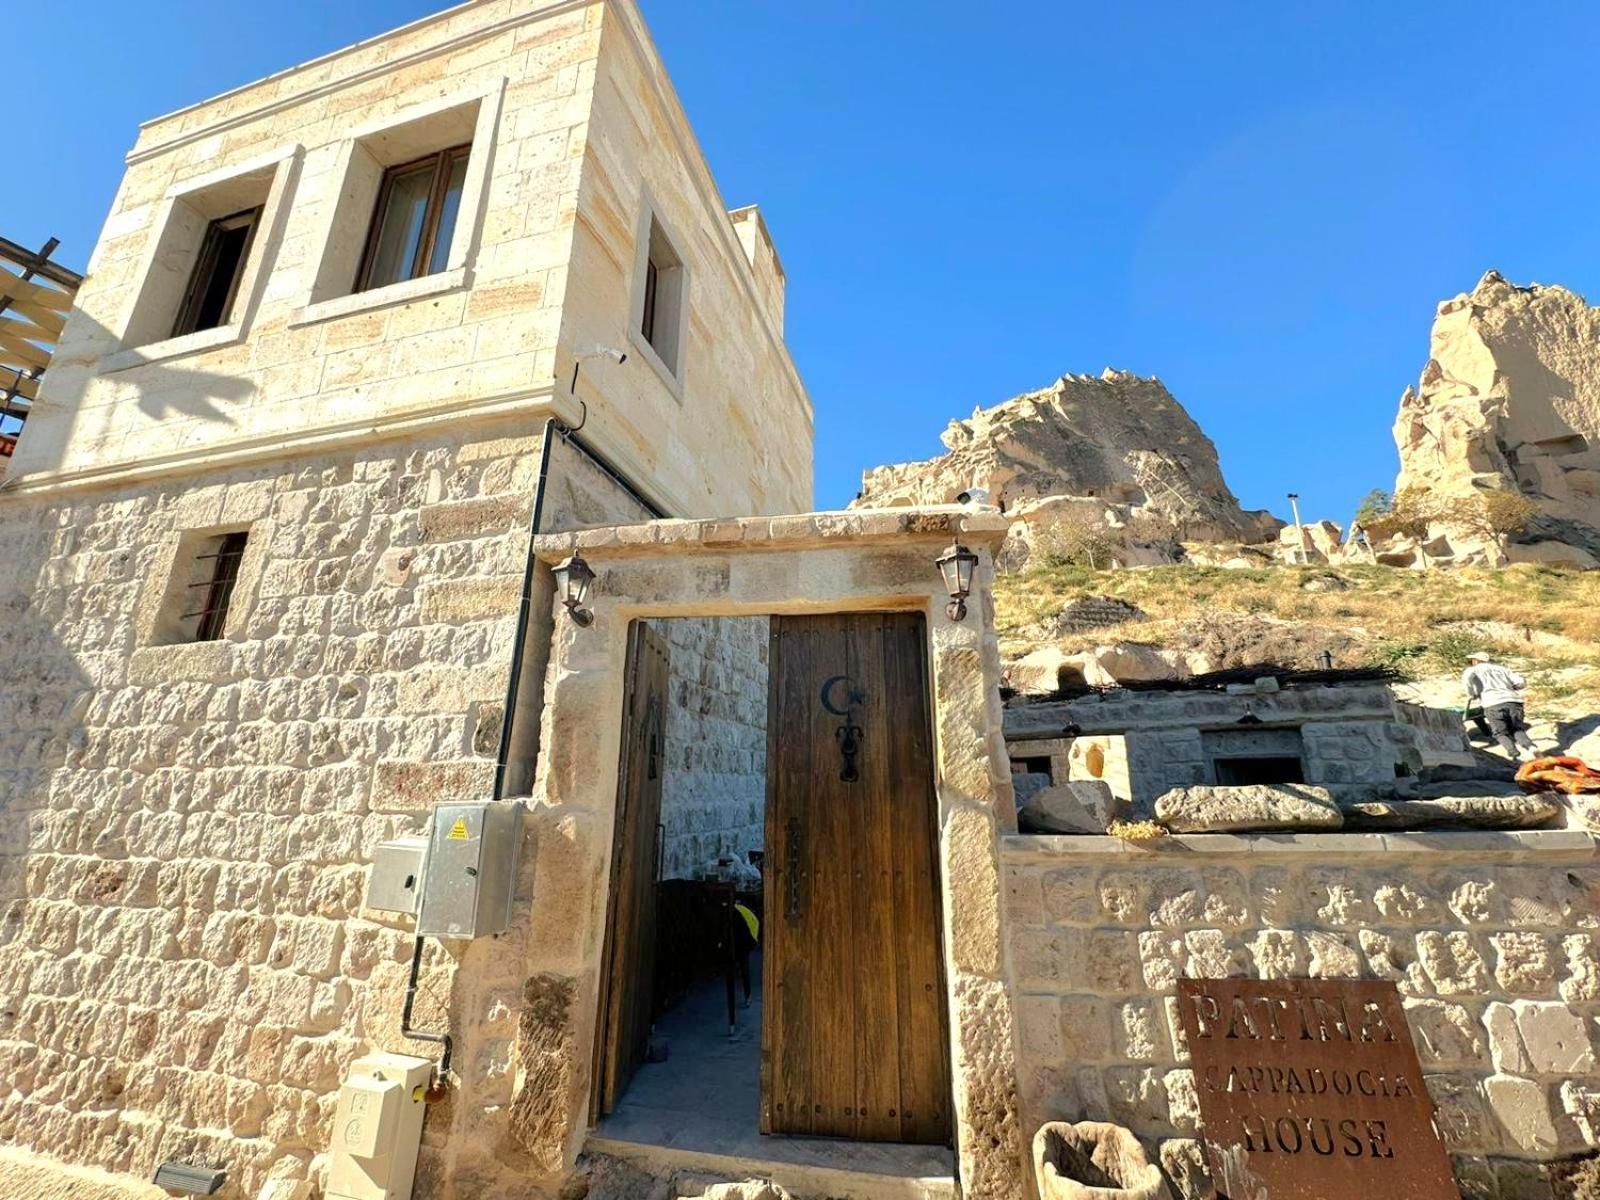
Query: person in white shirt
x=1498, y=690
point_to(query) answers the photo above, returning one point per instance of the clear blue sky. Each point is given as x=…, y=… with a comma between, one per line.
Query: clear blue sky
x=1261, y=203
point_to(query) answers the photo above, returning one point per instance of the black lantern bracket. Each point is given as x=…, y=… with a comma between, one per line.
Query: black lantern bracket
x=957, y=565
x=574, y=578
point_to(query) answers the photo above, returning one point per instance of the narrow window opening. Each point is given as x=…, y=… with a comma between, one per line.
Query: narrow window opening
x=218, y=571
x=1030, y=764
x=1246, y=770
x=214, y=283
x=660, y=317
x=414, y=223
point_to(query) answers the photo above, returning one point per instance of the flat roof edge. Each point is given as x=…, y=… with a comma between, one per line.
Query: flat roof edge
x=547, y=9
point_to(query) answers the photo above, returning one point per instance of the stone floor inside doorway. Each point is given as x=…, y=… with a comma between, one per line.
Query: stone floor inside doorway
x=706, y=1099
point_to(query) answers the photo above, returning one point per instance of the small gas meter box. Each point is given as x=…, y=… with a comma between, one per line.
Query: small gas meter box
x=377, y=1128
x=469, y=877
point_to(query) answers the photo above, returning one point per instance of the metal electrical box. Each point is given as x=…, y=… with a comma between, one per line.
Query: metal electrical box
x=377, y=1128
x=395, y=884
x=469, y=875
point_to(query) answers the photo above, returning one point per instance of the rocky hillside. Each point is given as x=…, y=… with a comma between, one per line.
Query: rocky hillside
x=1115, y=446
x=1178, y=620
x=1510, y=400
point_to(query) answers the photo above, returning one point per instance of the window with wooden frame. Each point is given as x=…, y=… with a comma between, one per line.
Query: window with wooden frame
x=415, y=219
x=214, y=282
x=217, y=572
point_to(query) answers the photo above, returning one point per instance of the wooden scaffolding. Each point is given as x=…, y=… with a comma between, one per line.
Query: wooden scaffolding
x=35, y=298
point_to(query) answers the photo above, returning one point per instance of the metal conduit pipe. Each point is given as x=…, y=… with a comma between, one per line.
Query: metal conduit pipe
x=518, y=656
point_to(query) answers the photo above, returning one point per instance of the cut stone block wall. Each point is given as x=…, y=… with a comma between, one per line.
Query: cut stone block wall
x=186, y=965
x=1349, y=734
x=472, y=339
x=568, y=111
x=714, y=790
x=1492, y=939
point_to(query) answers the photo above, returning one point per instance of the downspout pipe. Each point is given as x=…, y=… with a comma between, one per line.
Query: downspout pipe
x=518, y=653
x=552, y=427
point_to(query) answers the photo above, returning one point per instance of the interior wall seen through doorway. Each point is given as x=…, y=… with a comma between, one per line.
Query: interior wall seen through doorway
x=713, y=796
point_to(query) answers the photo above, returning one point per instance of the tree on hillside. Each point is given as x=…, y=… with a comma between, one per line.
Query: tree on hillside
x=1496, y=515
x=1409, y=513
x=1374, y=506
x=1076, y=538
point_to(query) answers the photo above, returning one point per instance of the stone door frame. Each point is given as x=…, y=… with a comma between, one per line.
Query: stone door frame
x=763, y=567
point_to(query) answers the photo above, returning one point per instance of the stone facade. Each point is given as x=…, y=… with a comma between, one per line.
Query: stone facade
x=186, y=964
x=1152, y=741
x=714, y=790
x=543, y=270
x=1492, y=939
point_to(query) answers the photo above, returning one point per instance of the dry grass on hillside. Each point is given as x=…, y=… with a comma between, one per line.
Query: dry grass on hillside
x=1545, y=620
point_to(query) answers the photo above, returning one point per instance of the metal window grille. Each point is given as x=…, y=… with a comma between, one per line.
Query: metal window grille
x=224, y=573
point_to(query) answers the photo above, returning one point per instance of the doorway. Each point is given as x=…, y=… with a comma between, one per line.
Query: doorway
x=817, y=909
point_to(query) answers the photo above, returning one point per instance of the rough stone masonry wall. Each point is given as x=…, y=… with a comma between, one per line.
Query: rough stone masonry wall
x=186, y=967
x=1492, y=939
x=714, y=791
x=1350, y=735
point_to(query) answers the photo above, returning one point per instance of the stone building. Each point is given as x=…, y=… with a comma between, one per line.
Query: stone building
x=349, y=333
x=1145, y=742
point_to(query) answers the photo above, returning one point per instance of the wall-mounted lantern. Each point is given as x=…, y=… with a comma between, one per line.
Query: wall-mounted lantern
x=956, y=565
x=573, y=578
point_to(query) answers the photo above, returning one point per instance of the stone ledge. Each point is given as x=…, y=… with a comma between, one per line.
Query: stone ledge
x=1574, y=844
x=934, y=524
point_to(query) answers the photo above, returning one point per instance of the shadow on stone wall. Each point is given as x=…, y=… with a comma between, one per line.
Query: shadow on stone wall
x=162, y=391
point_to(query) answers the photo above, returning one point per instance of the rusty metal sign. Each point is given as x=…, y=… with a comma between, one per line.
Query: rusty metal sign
x=1310, y=1090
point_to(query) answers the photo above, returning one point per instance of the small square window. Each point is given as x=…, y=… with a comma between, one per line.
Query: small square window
x=214, y=283
x=415, y=219
x=661, y=318
x=200, y=588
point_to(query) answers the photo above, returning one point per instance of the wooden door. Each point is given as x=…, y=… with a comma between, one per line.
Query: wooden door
x=853, y=1034
x=630, y=977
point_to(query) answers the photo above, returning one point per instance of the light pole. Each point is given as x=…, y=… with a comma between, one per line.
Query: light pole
x=1299, y=532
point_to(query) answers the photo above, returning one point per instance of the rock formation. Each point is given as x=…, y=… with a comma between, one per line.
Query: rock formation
x=1510, y=399
x=1117, y=446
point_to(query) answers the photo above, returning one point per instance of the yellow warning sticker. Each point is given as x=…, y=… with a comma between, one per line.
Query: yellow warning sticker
x=458, y=831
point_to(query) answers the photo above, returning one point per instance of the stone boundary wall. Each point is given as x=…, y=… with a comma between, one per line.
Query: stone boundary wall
x=1493, y=940
x=714, y=790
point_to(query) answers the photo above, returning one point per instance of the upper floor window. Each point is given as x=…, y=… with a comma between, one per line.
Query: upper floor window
x=406, y=205
x=213, y=288
x=206, y=260
x=414, y=223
